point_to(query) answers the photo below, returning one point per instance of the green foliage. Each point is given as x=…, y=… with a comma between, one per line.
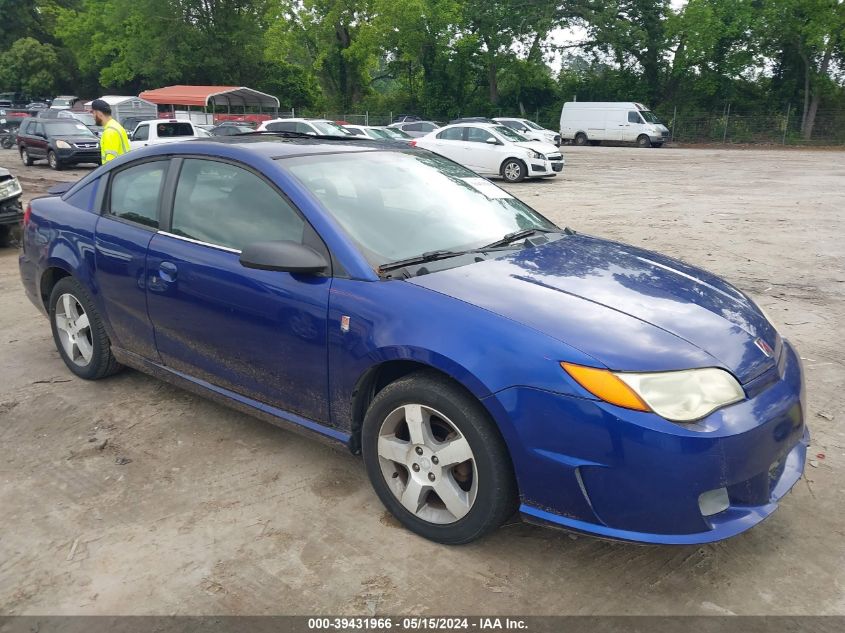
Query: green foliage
x=29, y=67
x=441, y=58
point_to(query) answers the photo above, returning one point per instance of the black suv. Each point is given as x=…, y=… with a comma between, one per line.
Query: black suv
x=60, y=141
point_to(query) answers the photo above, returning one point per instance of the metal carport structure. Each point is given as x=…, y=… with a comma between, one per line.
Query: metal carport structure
x=212, y=96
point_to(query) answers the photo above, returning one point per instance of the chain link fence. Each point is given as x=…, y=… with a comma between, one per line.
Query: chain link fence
x=727, y=127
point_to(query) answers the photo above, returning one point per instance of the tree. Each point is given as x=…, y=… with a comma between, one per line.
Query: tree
x=713, y=48
x=630, y=30
x=815, y=31
x=136, y=44
x=322, y=35
x=29, y=67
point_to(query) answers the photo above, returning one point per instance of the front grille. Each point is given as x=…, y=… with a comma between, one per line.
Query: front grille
x=86, y=145
x=555, y=157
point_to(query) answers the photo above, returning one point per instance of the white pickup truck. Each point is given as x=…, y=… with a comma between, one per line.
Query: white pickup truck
x=159, y=131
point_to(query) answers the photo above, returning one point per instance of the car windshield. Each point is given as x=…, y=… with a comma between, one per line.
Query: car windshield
x=397, y=205
x=328, y=128
x=392, y=132
x=533, y=125
x=67, y=128
x=84, y=117
x=510, y=134
x=649, y=116
x=61, y=102
x=377, y=133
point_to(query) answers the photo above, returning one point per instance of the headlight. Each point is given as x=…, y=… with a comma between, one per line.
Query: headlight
x=679, y=396
x=63, y=144
x=9, y=188
x=537, y=155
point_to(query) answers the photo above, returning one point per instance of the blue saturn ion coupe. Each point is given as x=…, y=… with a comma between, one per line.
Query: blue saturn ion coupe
x=483, y=360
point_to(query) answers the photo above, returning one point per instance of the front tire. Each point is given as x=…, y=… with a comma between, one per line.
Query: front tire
x=643, y=141
x=79, y=333
x=514, y=170
x=53, y=161
x=437, y=461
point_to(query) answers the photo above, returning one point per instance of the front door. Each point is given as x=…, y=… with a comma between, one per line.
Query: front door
x=258, y=333
x=634, y=126
x=484, y=156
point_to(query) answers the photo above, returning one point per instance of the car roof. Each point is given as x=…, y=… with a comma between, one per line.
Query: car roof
x=269, y=145
x=165, y=121
x=471, y=124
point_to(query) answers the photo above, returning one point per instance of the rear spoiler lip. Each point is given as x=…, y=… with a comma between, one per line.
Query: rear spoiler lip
x=59, y=189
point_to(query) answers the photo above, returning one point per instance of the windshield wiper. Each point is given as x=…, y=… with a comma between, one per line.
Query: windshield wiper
x=430, y=256
x=518, y=235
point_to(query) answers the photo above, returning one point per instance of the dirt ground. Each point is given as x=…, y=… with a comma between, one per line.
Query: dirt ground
x=218, y=513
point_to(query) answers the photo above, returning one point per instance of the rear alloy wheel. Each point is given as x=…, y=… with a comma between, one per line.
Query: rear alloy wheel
x=26, y=159
x=53, y=161
x=580, y=139
x=514, y=170
x=643, y=141
x=436, y=461
x=79, y=333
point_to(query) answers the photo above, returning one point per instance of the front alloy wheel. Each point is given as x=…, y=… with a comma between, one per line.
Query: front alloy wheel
x=427, y=464
x=436, y=459
x=514, y=170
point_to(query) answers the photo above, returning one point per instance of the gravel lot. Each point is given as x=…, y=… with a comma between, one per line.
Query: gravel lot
x=219, y=513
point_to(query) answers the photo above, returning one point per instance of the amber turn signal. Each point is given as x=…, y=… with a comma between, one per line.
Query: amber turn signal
x=603, y=384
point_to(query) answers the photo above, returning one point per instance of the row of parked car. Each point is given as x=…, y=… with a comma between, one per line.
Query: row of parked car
x=511, y=148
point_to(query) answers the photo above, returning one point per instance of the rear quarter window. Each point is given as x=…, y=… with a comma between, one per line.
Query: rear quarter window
x=82, y=197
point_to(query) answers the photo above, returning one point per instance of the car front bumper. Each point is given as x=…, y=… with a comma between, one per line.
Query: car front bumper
x=544, y=167
x=592, y=467
x=76, y=155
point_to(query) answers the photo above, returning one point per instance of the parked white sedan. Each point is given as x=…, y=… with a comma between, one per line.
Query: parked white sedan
x=494, y=150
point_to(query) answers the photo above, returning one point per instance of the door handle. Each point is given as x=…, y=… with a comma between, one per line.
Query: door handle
x=167, y=271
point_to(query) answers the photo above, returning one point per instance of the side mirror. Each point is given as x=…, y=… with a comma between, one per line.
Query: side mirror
x=491, y=141
x=283, y=256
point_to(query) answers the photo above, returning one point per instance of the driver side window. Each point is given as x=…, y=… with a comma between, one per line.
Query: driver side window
x=634, y=117
x=228, y=206
x=142, y=133
x=478, y=135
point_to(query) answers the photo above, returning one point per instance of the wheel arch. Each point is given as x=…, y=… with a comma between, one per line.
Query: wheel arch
x=387, y=371
x=49, y=278
x=512, y=157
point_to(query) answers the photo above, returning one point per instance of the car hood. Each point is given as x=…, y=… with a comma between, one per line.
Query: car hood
x=630, y=309
x=539, y=146
x=72, y=138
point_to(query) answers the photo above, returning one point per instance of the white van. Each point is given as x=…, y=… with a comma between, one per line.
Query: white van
x=623, y=121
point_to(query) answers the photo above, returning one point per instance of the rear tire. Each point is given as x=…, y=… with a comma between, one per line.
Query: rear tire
x=514, y=170
x=79, y=333
x=477, y=483
x=26, y=159
x=581, y=139
x=643, y=141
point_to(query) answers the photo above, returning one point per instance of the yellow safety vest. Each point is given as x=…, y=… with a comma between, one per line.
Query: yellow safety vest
x=113, y=142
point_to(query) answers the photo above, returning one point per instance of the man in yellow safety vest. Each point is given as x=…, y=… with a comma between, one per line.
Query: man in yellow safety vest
x=114, y=140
